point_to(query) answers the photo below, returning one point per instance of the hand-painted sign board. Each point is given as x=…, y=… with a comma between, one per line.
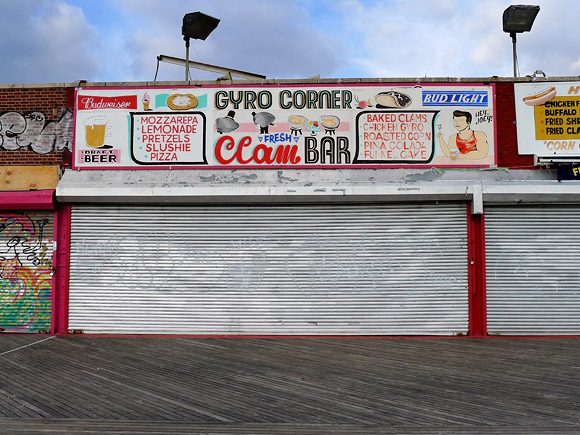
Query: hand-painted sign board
x=322, y=126
x=548, y=118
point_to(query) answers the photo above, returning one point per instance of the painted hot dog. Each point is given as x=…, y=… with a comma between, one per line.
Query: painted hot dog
x=541, y=98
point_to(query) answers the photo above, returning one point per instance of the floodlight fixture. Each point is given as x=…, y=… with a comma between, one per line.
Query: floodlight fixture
x=518, y=19
x=196, y=25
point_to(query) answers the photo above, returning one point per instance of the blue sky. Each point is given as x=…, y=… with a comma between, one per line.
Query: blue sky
x=46, y=41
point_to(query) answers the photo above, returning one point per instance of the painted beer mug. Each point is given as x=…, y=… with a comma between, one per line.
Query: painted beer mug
x=96, y=130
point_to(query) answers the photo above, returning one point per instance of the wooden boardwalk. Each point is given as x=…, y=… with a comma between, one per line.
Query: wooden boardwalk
x=288, y=386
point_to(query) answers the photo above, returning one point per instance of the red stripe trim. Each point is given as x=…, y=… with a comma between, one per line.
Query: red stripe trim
x=61, y=265
x=275, y=337
x=325, y=337
x=27, y=200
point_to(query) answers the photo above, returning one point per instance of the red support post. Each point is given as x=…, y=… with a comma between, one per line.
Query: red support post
x=61, y=275
x=476, y=274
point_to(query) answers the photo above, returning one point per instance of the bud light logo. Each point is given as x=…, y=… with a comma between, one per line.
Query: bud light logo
x=455, y=98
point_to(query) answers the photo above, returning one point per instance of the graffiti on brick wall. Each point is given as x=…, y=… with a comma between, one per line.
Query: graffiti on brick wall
x=25, y=271
x=33, y=131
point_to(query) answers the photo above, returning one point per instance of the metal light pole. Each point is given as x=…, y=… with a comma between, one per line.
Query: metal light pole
x=187, y=57
x=518, y=19
x=196, y=25
x=514, y=53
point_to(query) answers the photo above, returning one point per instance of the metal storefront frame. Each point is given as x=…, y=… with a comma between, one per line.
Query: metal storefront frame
x=27, y=244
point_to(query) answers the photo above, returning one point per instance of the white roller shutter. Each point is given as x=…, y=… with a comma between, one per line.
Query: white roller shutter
x=300, y=269
x=533, y=269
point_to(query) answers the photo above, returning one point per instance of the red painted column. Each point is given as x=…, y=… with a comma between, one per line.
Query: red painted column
x=476, y=274
x=61, y=266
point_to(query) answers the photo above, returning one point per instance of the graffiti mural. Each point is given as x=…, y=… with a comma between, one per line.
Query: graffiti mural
x=25, y=271
x=33, y=130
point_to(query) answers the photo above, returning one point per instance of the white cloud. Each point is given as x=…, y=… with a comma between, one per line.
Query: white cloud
x=119, y=40
x=278, y=38
x=396, y=38
x=554, y=42
x=413, y=39
x=46, y=41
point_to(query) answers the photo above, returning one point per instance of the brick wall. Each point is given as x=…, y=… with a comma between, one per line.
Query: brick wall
x=507, y=141
x=33, y=98
x=42, y=116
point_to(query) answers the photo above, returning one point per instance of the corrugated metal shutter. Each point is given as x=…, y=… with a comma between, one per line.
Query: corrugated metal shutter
x=533, y=269
x=312, y=269
x=26, y=245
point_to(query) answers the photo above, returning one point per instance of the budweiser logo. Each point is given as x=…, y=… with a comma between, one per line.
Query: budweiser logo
x=94, y=102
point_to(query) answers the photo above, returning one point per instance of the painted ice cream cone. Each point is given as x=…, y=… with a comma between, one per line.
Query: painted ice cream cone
x=146, y=101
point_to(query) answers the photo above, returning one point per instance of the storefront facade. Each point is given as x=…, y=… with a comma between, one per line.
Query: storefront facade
x=318, y=209
x=36, y=134
x=302, y=255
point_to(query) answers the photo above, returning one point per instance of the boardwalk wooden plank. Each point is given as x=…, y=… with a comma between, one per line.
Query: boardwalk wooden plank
x=168, y=385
